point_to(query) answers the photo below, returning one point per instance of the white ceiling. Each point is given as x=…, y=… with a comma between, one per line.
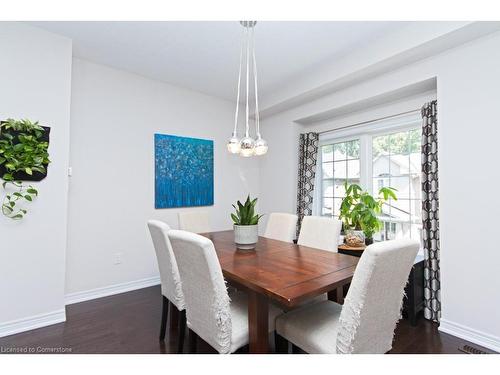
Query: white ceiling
x=203, y=56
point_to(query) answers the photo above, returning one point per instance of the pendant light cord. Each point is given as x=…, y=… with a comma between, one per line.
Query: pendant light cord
x=257, y=119
x=239, y=87
x=248, y=76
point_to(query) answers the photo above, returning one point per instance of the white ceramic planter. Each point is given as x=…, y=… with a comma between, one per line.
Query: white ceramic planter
x=246, y=236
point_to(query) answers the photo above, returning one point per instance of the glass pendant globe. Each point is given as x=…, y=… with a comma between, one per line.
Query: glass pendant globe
x=233, y=145
x=247, y=145
x=260, y=146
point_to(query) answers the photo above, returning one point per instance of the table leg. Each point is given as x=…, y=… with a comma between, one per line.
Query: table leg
x=340, y=295
x=337, y=295
x=258, y=312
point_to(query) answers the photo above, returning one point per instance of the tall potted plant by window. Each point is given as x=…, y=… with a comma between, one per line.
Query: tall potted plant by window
x=360, y=211
x=246, y=224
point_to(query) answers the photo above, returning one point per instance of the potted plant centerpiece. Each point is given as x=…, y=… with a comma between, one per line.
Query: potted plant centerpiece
x=246, y=224
x=359, y=213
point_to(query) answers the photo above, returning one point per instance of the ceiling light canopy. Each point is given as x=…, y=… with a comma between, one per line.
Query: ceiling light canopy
x=247, y=146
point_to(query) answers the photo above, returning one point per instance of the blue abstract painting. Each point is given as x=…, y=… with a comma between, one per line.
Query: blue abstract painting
x=184, y=171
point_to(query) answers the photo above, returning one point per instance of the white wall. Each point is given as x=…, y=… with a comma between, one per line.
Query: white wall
x=35, y=81
x=114, y=116
x=468, y=81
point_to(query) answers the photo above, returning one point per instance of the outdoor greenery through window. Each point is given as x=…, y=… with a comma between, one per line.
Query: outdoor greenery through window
x=375, y=161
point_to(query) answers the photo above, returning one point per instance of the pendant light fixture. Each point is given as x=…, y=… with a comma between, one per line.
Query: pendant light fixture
x=247, y=146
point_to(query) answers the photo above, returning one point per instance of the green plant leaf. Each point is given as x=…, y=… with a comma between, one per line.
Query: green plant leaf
x=250, y=212
x=28, y=170
x=388, y=192
x=235, y=219
x=18, y=147
x=240, y=206
x=32, y=191
x=28, y=197
x=7, y=207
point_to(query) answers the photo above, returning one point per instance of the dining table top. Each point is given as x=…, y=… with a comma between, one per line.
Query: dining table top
x=285, y=272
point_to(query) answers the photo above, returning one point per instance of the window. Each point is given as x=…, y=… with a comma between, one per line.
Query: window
x=340, y=163
x=396, y=163
x=384, y=156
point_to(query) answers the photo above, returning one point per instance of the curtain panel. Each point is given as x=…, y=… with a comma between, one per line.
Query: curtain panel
x=308, y=153
x=430, y=212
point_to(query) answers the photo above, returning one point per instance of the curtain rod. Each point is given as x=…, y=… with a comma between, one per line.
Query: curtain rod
x=369, y=121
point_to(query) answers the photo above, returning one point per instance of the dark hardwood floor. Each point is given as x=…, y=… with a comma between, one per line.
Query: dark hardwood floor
x=130, y=323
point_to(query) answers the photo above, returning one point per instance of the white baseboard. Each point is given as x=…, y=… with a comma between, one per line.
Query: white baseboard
x=32, y=322
x=110, y=290
x=470, y=334
x=59, y=316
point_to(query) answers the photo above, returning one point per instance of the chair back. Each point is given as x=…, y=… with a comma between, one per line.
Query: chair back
x=281, y=226
x=195, y=221
x=207, y=301
x=320, y=232
x=169, y=273
x=373, y=304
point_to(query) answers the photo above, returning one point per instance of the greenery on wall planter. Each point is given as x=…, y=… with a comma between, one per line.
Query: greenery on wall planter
x=23, y=156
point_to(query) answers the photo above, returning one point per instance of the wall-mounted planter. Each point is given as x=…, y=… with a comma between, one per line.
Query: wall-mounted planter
x=21, y=175
x=23, y=157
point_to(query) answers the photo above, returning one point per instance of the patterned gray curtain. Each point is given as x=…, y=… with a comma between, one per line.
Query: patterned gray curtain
x=308, y=152
x=430, y=212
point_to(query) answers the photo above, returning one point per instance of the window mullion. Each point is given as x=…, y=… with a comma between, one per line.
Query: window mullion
x=365, y=152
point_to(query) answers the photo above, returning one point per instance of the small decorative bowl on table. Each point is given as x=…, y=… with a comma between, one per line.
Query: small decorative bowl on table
x=354, y=238
x=356, y=251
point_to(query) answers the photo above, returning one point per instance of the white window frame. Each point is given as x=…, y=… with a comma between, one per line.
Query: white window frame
x=318, y=193
x=365, y=133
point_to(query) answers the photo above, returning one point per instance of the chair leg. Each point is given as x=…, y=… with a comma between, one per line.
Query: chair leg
x=164, y=317
x=193, y=339
x=182, y=332
x=174, y=318
x=280, y=344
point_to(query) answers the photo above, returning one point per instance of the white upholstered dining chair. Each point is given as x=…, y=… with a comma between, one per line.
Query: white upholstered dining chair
x=320, y=232
x=366, y=321
x=281, y=226
x=220, y=320
x=194, y=221
x=171, y=288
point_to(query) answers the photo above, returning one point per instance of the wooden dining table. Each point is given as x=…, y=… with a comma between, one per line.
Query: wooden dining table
x=279, y=272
